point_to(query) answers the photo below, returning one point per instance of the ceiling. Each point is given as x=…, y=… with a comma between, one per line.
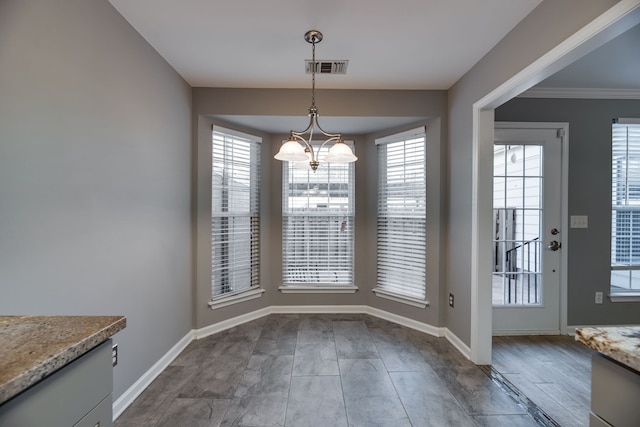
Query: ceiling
x=399, y=44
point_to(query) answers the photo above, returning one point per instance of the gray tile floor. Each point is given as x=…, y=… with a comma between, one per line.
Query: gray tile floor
x=323, y=370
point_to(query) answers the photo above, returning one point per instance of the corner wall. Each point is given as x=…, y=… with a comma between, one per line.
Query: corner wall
x=212, y=102
x=94, y=176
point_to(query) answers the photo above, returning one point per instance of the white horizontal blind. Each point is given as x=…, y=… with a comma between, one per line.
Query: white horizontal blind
x=317, y=223
x=625, y=206
x=401, y=233
x=235, y=212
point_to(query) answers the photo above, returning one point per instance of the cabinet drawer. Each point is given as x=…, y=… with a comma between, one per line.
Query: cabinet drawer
x=64, y=397
x=100, y=416
x=614, y=392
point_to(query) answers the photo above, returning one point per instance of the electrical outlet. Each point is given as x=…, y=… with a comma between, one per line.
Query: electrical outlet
x=451, y=300
x=579, y=221
x=114, y=355
x=599, y=297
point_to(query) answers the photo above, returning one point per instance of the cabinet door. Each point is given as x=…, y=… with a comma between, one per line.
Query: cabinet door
x=66, y=396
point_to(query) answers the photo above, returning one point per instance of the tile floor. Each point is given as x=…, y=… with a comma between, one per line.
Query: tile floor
x=323, y=370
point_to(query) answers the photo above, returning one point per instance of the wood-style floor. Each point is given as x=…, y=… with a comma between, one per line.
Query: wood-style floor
x=552, y=371
x=338, y=370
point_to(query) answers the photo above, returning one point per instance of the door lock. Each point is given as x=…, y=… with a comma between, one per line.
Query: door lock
x=554, y=245
x=554, y=231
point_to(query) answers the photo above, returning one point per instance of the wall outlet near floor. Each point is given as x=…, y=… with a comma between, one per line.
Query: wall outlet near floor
x=114, y=355
x=599, y=297
x=451, y=300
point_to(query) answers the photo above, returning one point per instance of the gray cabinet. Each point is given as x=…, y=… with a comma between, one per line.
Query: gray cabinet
x=615, y=393
x=77, y=395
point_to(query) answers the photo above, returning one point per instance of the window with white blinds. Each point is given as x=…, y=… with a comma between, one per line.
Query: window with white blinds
x=235, y=212
x=317, y=223
x=401, y=233
x=625, y=206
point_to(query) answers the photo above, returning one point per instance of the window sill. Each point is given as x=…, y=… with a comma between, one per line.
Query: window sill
x=626, y=297
x=236, y=298
x=317, y=289
x=414, y=302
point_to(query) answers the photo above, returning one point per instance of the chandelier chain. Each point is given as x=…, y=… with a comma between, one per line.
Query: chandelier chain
x=313, y=73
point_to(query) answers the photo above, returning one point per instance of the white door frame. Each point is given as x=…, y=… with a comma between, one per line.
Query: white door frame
x=619, y=18
x=564, y=205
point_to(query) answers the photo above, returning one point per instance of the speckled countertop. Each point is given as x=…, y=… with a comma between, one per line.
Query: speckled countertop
x=621, y=343
x=33, y=347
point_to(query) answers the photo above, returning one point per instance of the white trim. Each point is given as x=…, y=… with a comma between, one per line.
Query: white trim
x=405, y=321
x=236, y=133
x=243, y=296
x=127, y=398
x=317, y=289
x=230, y=323
x=552, y=61
x=626, y=297
x=457, y=343
x=414, y=302
x=580, y=93
x=402, y=136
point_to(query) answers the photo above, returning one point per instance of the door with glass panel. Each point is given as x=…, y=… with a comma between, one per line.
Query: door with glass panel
x=527, y=239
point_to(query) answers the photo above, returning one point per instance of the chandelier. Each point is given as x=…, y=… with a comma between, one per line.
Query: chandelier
x=298, y=148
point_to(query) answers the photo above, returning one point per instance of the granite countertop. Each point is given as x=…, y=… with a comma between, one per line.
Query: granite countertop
x=33, y=347
x=621, y=343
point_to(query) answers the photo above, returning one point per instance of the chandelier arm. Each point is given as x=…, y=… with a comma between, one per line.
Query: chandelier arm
x=333, y=138
x=331, y=135
x=300, y=137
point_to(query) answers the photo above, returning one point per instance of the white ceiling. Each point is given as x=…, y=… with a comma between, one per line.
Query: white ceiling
x=390, y=44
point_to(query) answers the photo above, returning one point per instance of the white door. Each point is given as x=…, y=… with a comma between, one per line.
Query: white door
x=527, y=246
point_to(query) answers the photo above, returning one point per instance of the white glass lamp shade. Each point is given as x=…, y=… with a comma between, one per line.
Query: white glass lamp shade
x=291, y=151
x=340, y=153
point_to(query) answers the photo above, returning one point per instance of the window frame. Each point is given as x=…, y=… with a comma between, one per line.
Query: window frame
x=288, y=169
x=252, y=212
x=386, y=290
x=630, y=205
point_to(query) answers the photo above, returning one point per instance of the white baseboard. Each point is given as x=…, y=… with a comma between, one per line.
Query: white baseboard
x=457, y=343
x=147, y=378
x=230, y=323
x=405, y=321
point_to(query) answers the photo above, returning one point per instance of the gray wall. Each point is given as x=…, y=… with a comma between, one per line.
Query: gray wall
x=209, y=103
x=589, y=194
x=544, y=28
x=94, y=176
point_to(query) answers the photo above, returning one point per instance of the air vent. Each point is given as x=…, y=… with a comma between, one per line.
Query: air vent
x=327, y=66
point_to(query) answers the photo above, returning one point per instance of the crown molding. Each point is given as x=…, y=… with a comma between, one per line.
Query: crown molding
x=580, y=93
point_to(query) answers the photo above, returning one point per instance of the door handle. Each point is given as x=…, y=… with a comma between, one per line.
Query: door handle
x=554, y=245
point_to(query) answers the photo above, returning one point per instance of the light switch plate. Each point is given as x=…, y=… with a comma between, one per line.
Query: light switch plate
x=579, y=221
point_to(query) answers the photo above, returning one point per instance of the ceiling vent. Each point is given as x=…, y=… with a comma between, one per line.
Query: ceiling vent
x=325, y=66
